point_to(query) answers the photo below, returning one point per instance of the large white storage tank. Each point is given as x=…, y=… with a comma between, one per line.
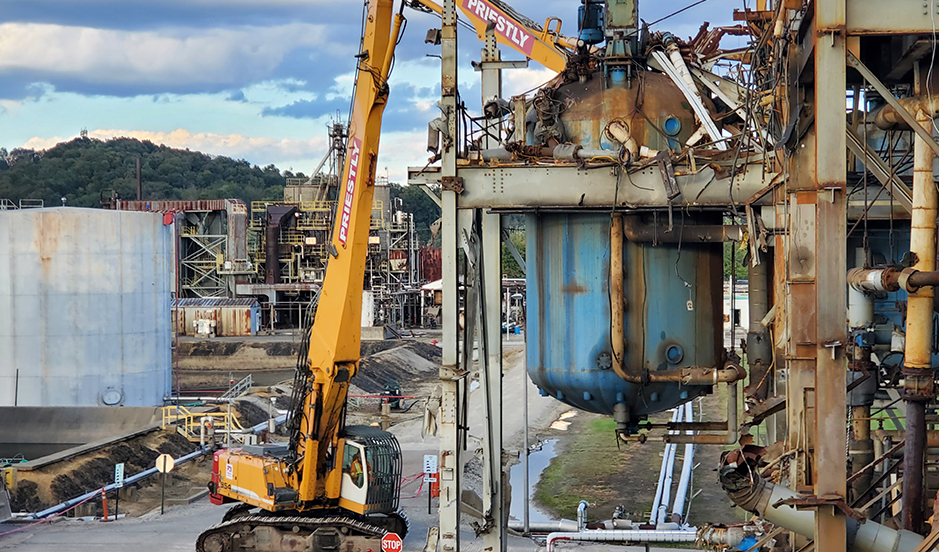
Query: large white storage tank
x=84, y=307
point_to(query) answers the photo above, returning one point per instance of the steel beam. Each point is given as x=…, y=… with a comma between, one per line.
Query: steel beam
x=876, y=17
x=534, y=187
x=896, y=187
x=493, y=472
x=451, y=463
x=831, y=270
x=431, y=194
x=909, y=119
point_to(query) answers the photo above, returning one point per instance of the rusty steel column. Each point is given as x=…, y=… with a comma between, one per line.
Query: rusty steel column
x=831, y=271
x=917, y=370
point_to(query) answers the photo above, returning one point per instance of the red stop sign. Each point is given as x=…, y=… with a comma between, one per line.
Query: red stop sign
x=391, y=542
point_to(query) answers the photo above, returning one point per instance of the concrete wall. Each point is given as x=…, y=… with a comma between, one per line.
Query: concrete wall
x=38, y=431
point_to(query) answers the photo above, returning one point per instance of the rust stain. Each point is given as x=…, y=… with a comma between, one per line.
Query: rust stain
x=47, y=227
x=574, y=288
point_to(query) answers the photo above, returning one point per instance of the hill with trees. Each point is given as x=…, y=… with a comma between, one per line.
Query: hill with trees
x=84, y=169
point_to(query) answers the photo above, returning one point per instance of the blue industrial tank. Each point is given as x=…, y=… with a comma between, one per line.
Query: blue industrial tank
x=672, y=315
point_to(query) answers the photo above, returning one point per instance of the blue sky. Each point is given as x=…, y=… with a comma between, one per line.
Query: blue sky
x=253, y=79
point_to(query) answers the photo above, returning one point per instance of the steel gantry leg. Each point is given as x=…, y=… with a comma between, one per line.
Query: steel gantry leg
x=491, y=326
x=831, y=272
x=451, y=464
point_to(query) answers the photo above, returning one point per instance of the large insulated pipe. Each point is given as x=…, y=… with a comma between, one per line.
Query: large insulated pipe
x=625, y=535
x=861, y=397
x=917, y=369
x=888, y=118
x=564, y=525
x=687, y=464
x=660, y=514
x=667, y=458
x=759, y=348
x=748, y=490
x=582, y=515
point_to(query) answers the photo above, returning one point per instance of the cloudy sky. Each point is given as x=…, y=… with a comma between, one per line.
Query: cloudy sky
x=252, y=79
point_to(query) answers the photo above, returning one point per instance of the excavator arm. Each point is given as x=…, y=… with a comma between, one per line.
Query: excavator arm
x=544, y=44
x=306, y=475
x=334, y=345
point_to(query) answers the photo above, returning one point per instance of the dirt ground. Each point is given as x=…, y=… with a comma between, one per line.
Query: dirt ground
x=55, y=483
x=589, y=466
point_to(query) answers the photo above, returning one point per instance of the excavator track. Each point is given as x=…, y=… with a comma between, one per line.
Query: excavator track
x=273, y=533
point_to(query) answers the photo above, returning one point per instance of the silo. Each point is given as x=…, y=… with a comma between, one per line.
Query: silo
x=84, y=308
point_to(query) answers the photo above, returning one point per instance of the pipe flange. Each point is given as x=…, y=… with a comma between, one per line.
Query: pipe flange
x=904, y=279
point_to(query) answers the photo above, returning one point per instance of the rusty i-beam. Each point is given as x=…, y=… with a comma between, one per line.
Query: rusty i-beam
x=831, y=269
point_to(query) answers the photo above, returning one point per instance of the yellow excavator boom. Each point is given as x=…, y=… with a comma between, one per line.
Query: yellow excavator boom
x=308, y=475
x=545, y=44
x=335, y=336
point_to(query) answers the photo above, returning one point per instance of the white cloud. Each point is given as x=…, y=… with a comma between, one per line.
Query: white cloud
x=258, y=149
x=516, y=81
x=399, y=150
x=171, y=56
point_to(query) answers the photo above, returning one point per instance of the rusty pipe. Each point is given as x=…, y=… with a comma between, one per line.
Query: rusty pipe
x=917, y=370
x=691, y=375
x=637, y=231
x=932, y=436
x=748, y=490
x=888, y=118
x=617, y=295
x=891, y=279
x=731, y=427
x=685, y=426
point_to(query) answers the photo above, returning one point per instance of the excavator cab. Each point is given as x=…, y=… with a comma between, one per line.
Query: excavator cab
x=371, y=471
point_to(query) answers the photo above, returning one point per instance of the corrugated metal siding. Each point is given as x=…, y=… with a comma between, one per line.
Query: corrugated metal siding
x=177, y=204
x=238, y=319
x=210, y=302
x=84, y=307
x=431, y=264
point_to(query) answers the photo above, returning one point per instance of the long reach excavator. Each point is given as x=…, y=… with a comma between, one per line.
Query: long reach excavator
x=333, y=486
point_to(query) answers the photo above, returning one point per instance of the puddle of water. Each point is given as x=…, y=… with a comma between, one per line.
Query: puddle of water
x=537, y=462
x=474, y=385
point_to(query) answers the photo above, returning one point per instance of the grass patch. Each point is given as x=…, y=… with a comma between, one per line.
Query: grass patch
x=585, y=469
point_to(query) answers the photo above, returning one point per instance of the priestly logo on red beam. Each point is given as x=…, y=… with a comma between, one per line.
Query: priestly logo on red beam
x=354, y=148
x=504, y=26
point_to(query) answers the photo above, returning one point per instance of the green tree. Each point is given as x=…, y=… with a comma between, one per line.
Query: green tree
x=740, y=269
x=415, y=201
x=83, y=169
x=510, y=268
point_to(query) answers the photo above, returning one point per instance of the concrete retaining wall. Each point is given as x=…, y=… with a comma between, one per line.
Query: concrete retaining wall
x=38, y=431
